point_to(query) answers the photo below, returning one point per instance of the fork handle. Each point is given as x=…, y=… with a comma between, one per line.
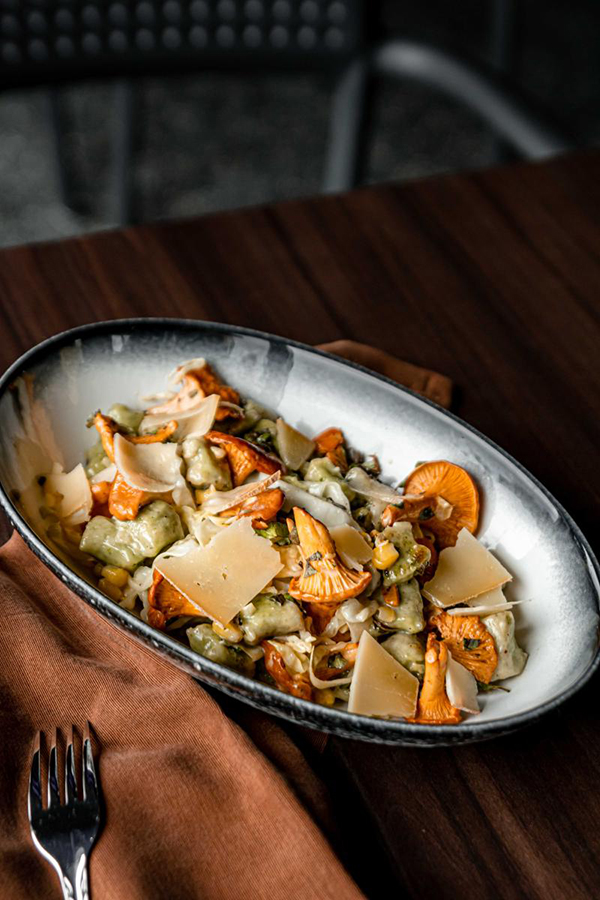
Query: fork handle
x=74, y=879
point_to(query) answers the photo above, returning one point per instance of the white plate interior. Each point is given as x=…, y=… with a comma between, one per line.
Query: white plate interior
x=557, y=627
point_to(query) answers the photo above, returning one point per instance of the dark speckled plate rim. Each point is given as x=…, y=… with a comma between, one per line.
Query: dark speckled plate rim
x=262, y=696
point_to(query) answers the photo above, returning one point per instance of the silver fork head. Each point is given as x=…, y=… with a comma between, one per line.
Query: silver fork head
x=64, y=833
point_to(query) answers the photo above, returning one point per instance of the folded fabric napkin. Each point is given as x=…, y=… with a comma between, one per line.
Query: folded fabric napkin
x=196, y=805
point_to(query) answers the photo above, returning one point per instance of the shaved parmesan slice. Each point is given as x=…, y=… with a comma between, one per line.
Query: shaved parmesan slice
x=380, y=685
x=194, y=422
x=188, y=366
x=76, y=503
x=221, y=578
x=464, y=571
x=351, y=546
x=148, y=467
x=461, y=687
x=323, y=510
x=294, y=447
x=198, y=423
x=220, y=501
x=372, y=489
x=107, y=474
x=182, y=496
x=484, y=609
x=494, y=597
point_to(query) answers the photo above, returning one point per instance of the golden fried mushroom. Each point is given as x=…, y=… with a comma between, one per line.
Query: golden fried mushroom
x=469, y=642
x=325, y=578
x=297, y=685
x=243, y=457
x=434, y=707
x=330, y=443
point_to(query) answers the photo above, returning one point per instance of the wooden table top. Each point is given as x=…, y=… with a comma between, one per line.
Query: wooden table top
x=492, y=278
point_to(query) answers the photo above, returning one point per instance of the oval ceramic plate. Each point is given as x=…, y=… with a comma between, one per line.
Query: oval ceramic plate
x=91, y=367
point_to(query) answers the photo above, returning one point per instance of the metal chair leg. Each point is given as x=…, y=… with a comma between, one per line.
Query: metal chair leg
x=122, y=152
x=484, y=92
x=502, y=53
x=59, y=127
x=347, y=128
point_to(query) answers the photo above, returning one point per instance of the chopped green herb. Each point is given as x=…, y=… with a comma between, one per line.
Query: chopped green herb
x=486, y=688
x=336, y=661
x=276, y=532
x=471, y=643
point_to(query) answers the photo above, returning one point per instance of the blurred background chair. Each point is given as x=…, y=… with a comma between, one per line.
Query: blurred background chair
x=57, y=42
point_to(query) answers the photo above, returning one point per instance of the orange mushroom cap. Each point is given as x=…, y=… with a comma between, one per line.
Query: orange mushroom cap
x=330, y=443
x=469, y=642
x=325, y=579
x=262, y=507
x=166, y=602
x=444, y=479
x=297, y=685
x=434, y=707
x=243, y=457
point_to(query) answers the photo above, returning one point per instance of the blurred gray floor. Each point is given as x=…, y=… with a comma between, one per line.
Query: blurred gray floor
x=215, y=141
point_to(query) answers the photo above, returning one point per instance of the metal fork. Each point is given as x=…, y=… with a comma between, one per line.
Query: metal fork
x=64, y=833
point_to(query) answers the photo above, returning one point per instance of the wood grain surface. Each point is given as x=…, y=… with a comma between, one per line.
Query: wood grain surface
x=492, y=278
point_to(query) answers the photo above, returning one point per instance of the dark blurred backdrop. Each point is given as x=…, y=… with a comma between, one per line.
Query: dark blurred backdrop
x=214, y=141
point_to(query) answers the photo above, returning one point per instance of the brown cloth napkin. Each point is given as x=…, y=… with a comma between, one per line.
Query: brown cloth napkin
x=196, y=805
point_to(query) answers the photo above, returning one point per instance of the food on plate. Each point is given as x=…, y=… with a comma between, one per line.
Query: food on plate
x=285, y=556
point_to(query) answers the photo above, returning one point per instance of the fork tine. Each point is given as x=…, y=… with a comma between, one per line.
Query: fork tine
x=53, y=784
x=70, y=777
x=34, y=799
x=89, y=782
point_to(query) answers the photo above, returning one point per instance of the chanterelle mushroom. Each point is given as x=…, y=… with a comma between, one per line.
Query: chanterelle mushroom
x=330, y=443
x=243, y=457
x=469, y=642
x=195, y=385
x=325, y=577
x=434, y=706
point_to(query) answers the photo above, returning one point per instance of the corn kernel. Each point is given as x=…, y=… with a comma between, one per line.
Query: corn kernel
x=385, y=555
x=116, y=575
x=325, y=696
x=111, y=590
x=386, y=615
x=230, y=632
x=98, y=568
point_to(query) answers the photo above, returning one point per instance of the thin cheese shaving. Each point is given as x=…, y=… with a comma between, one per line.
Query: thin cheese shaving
x=190, y=365
x=148, y=467
x=193, y=422
x=294, y=447
x=381, y=686
x=323, y=510
x=461, y=686
x=220, y=501
x=221, y=578
x=483, y=609
x=351, y=546
x=76, y=496
x=465, y=571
